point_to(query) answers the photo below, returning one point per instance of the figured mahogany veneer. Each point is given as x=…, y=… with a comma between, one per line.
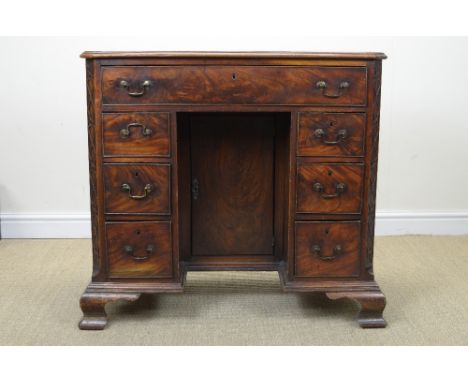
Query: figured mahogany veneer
x=232, y=215
x=136, y=135
x=327, y=249
x=147, y=191
x=329, y=188
x=232, y=161
x=234, y=85
x=331, y=134
x=139, y=249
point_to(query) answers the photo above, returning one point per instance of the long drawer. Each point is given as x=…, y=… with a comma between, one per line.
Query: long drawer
x=294, y=85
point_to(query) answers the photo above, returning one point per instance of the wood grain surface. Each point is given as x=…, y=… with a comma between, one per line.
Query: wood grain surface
x=158, y=201
x=332, y=142
x=232, y=159
x=234, y=85
x=147, y=134
x=329, y=175
x=150, y=254
x=327, y=235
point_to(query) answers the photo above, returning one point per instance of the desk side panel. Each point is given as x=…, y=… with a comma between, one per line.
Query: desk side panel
x=95, y=167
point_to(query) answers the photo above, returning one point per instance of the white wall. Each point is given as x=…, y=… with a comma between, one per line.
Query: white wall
x=423, y=169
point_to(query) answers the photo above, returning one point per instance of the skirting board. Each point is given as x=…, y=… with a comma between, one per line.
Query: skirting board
x=49, y=226
x=79, y=226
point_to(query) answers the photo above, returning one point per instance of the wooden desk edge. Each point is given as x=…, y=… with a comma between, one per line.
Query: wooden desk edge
x=236, y=55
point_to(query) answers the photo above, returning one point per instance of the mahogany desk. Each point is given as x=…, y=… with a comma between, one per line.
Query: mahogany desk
x=232, y=161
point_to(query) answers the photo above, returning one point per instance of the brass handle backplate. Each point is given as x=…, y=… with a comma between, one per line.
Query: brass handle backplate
x=339, y=189
x=340, y=136
x=125, y=132
x=341, y=88
x=144, y=85
x=127, y=188
x=129, y=250
x=337, y=250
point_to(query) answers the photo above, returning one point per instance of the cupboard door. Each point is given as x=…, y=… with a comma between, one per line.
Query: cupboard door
x=232, y=184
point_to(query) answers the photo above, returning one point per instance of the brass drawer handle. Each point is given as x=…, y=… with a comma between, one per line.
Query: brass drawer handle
x=340, y=136
x=337, y=251
x=144, y=85
x=323, y=85
x=130, y=251
x=318, y=187
x=127, y=188
x=125, y=132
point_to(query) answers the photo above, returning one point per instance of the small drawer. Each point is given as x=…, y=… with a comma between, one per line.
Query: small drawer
x=136, y=134
x=140, y=188
x=140, y=249
x=327, y=249
x=212, y=84
x=331, y=134
x=329, y=188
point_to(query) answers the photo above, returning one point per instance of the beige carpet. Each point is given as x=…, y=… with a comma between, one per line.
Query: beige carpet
x=425, y=280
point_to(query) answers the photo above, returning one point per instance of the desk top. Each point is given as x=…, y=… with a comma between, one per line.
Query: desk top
x=234, y=55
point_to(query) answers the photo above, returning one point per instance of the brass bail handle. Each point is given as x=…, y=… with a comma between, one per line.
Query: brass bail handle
x=127, y=188
x=337, y=250
x=125, y=132
x=144, y=86
x=340, y=136
x=341, y=88
x=129, y=250
x=339, y=188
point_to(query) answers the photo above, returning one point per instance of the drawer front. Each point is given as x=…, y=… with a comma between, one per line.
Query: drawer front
x=329, y=188
x=331, y=134
x=139, y=249
x=234, y=85
x=327, y=249
x=136, y=134
x=138, y=188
